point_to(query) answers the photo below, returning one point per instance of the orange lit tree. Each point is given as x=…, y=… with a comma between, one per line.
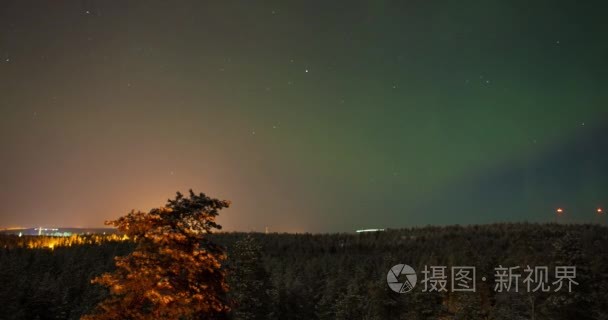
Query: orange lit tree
x=174, y=271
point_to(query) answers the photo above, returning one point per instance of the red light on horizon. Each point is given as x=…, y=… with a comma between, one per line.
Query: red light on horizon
x=600, y=211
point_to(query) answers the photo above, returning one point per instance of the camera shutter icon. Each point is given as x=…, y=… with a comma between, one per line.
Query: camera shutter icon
x=401, y=278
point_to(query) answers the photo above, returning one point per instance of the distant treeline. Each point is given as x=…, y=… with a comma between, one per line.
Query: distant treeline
x=333, y=276
x=50, y=242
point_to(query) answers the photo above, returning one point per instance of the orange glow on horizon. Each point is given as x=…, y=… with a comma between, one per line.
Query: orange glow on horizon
x=53, y=242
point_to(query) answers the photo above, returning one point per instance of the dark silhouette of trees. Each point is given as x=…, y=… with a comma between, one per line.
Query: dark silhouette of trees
x=175, y=270
x=329, y=276
x=249, y=282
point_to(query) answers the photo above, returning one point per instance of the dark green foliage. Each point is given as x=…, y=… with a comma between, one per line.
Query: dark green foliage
x=249, y=282
x=340, y=276
x=53, y=284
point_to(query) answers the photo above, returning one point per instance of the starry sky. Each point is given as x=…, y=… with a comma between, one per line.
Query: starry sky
x=310, y=116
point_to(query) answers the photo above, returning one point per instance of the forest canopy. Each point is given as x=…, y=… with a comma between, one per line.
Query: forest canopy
x=335, y=276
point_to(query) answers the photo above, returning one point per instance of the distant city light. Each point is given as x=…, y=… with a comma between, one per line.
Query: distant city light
x=369, y=230
x=560, y=211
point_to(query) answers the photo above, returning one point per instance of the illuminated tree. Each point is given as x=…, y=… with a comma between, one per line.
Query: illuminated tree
x=174, y=271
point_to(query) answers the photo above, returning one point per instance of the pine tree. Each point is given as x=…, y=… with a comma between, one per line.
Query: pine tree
x=249, y=281
x=175, y=270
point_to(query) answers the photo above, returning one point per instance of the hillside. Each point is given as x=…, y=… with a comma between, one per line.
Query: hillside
x=340, y=276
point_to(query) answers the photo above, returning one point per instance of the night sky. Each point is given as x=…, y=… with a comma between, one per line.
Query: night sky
x=310, y=116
